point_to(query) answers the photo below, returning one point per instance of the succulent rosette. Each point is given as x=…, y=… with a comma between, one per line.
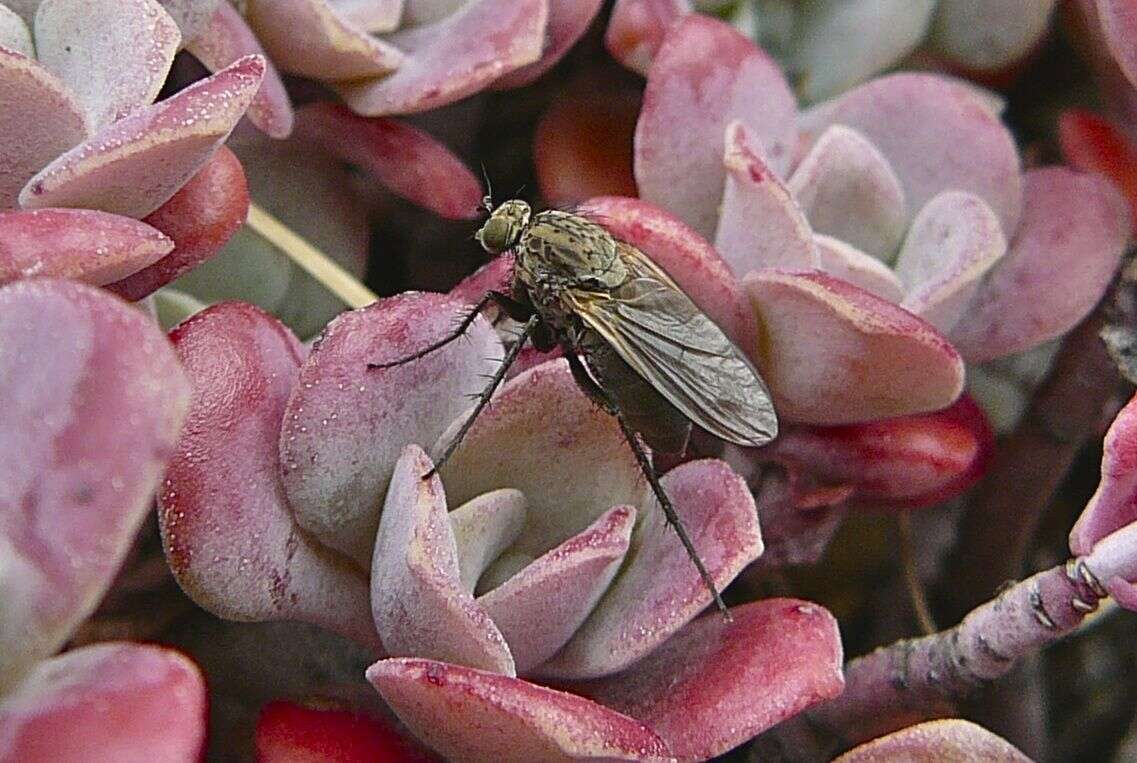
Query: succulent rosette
x=93, y=397
x=535, y=559
x=830, y=46
x=86, y=153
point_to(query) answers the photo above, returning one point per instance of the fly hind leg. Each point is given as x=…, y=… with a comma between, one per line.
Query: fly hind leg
x=600, y=396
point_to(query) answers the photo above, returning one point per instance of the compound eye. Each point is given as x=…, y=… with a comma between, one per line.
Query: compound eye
x=495, y=235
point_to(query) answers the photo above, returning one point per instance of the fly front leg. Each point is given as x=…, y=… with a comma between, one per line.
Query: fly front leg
x=510, y=306
x=589, y=385
x=484, y=396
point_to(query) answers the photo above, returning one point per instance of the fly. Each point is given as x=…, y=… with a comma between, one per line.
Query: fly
x=635, y=343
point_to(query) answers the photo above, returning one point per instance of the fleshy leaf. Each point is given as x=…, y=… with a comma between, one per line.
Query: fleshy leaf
x=637, y=27
x=90, y=246
x=686, y=256
x=417, y=599
x=484, y=527
x=540, y=607
x=568, y=21
x=716, y=684
x=981, y=34
x=14, y=33
x=370, y=15
x=705, y=75
x=946, y=739
x=848, y=191
x=451, y=708
x=407, y=160
x=227, y=39
x=1091, y=144
x=1119, y=22
x=136, y=164
x=311, y=39
x=865, y=359
x=539, y=436
x=125, y=701
x=288, y=732
x=660, y=591
x=903, y=462
x=48, y=122
x=226, y=528
x=200, y=218
x=191, y=16
x=953, y=242
x=454, y=57
x=842, y=260
x=113, y=55
x=841, y=44
x=93, y=398
x=1073, y=224
x=346, y=425
x=760, y=224
x=1114, y=505
x=936, y=134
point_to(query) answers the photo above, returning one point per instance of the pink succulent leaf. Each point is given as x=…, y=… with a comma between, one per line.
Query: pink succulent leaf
x=25, y=9
x=848, y=191
x=90, y=246
x=866, y=359
x=407, y=160
x=568, y=21
x=636, y=29
x=191, y=16
x=125, y=701
x=841, y=44
x=200, y=218
x=420, y=12
x=484, y=527
x=760, y=224
x=135, y=165
x=540, y=607
x=113, y=55
x=293, y=732
x=93, y=400
x=228, y=38
x=311, y=39
x=346, y=424
x=452, y=708
x=660, y=591
x=985, y=35
x=918, y=122
x=946, y=739
x=1119, y=22
x=1073, y=224
x=14, y=33
x=844, y=261
x=372, y=16
x=48, y=122
x=494, y=275
x=706, y=75
x=903, y=462
x=686, y=256
x=1114, y=505
x=583, y=143
x=951, y=245
x=455, y=57
x=715, y=684
x=1091, y=143
x=417, y=598
x=226, y=528
x=1113, y=562
x=538, y=436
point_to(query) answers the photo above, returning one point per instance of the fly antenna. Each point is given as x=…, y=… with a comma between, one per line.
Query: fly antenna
x=487, y=200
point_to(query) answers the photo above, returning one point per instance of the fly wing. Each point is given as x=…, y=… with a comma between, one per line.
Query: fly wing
x=665, y=338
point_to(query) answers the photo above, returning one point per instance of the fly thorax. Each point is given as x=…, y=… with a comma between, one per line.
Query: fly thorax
x=558, y=246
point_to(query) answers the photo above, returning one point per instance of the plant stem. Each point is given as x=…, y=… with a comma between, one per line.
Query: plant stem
x=317, y=264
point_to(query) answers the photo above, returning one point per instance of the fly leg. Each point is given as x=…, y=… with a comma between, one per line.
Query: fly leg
x=513, y=308
x=600, y=396
x=485, y=395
